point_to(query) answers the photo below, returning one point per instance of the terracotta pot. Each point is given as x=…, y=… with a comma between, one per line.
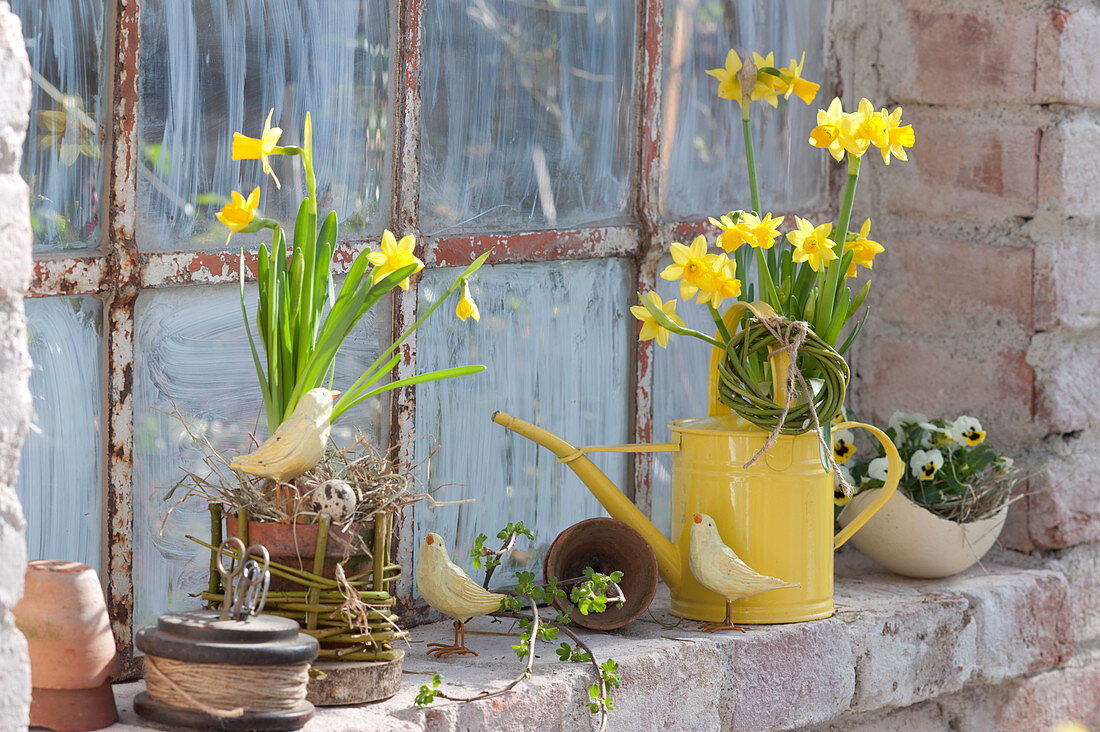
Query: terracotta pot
x=912, y=541
x=606, y=545
x=72, y=649
x=295, y=544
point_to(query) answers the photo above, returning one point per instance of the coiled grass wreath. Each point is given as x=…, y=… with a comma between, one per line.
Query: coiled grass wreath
x=741, y=390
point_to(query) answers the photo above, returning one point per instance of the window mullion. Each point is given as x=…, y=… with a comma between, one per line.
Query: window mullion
x=650, y=58
x=405, y=219
x=123, y=268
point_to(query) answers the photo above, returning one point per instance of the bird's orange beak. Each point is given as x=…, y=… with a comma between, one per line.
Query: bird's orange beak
x=335, y=394
x=429, y=540
x=698, y=518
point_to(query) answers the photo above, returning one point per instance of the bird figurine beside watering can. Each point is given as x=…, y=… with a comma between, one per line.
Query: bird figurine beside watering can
x=776, y=514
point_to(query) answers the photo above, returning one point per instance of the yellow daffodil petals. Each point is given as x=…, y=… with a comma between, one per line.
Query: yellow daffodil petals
x=250, y=148
x=466, y=306
x=239, y=212
x=728, y=85
x=827, y=133
x=863, y=250
x=812, y=245
x=650, y=328
x=896, y=137
x=394, y=255
x=690, y=265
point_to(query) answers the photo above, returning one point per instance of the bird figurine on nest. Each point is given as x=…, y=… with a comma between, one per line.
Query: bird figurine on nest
x=720, y=570
x=298, y=443
x=450, y=591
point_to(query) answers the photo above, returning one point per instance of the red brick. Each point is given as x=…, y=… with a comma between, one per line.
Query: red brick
x=1035, y=704
x=1068, y=175
x=995, y=386
x=955, y=284
x=1064, y=506
x=973, y=168
x=1066, y=55
x=1067, y=290
x=962, y=56
x=1081, y=565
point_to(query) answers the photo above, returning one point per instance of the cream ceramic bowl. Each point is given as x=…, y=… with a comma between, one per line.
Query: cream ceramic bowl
x=911, y=541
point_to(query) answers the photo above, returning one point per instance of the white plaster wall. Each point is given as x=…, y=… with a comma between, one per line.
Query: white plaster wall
x=15, y=364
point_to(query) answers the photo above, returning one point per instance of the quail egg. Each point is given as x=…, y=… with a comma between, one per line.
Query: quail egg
x=336, y=498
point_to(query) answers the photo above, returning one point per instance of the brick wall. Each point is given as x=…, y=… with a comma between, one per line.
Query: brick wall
x=15, y=398
x=987, y=301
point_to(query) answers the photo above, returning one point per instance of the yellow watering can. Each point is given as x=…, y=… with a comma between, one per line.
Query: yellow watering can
x=777, y=514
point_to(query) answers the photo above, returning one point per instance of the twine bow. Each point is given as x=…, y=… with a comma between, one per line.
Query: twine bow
x=790, y=335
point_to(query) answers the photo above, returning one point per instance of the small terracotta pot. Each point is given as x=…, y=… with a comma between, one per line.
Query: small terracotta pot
x=912, y=541
x=606, y=545
x=295, y=544
x=72, y=650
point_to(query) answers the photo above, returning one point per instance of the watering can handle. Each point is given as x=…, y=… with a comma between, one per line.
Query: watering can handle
x=893, y=475
x=780, y=362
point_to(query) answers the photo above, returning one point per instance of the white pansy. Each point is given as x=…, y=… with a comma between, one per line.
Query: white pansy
x=967, y=431
x=899, y=420
x=878, y=469
x=847, y=475
x=843, y=445
x=925, y=463
x=936, y=436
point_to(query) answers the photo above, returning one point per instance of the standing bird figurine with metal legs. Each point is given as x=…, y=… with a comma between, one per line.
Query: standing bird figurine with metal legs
x=451, y=591
x=298, y=443
x=720, y=570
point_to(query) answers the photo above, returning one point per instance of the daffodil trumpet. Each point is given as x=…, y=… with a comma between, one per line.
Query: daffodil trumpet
x=301, y=319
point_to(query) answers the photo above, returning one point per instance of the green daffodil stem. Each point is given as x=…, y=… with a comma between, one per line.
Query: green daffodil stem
x=750, y=160
x=665, y=322
x=719, y=323
x=833, y=281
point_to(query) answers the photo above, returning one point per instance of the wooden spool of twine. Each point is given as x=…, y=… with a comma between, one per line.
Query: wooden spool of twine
x=756, y=341
x=226, y=691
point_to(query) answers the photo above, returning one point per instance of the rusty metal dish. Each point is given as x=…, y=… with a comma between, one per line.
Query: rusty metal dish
x=606, y=545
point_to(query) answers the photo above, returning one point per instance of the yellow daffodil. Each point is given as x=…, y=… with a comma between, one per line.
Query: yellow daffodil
x=843, y=446
x=251, y=148
x=862, y=128
x=650, y=327
x=466, y=306
x=925, y=463
x=827, y=133
x=767, y=87
x=239, y=212
x=811, y=244
x=863, y=250
x=734, y=233
x=762, y=232
x=691, y=266
x=804, y=90
x=394, y=256
x=728, y=85
x=722, y=283
x=896, y=137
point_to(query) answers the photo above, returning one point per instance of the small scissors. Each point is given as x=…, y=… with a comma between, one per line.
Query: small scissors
x=245, y=580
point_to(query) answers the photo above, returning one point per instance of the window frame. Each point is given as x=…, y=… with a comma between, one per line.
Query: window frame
x=116, y=271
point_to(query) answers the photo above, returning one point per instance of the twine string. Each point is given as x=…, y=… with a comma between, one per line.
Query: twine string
x=790, y=335
x=226, y=691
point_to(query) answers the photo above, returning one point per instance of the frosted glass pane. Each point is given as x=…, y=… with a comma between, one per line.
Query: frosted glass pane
x=679, y=390
x=702, y=155
x=211, y=68
x=62, y=159
x=554, y=338
x=527, y=114
x=60, y=472
x=191, y=349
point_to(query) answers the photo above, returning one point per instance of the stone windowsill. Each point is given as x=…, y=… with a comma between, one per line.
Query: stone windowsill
x=893, y=642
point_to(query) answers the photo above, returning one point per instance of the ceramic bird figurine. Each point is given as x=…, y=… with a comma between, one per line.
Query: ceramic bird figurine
x=450, y=591
x=297, y=445
x=720, y=570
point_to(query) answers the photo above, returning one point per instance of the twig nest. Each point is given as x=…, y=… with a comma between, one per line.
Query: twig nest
x=336, y=498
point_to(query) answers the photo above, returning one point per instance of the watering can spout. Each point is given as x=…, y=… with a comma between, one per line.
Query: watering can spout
x=609, y=496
